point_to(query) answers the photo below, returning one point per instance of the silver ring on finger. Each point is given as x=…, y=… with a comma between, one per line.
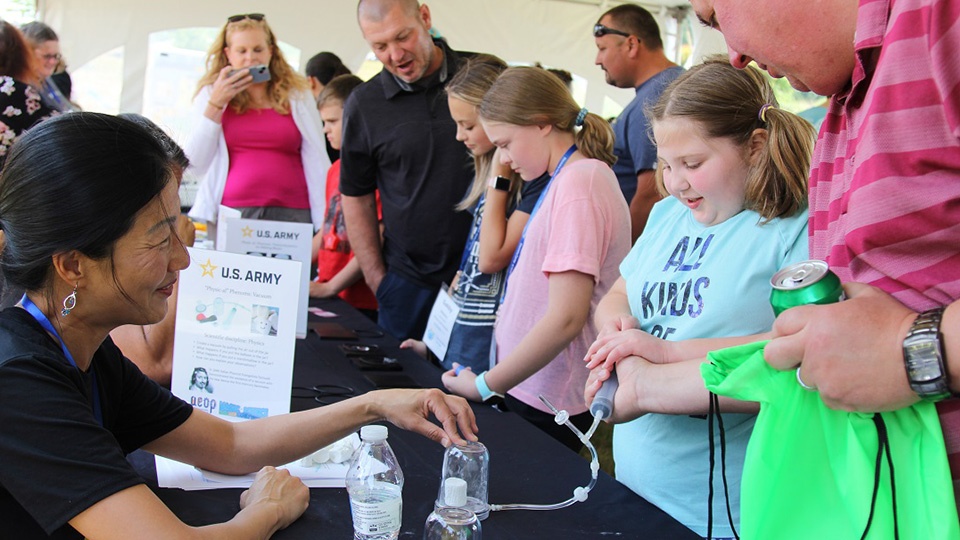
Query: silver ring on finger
x=804, y=385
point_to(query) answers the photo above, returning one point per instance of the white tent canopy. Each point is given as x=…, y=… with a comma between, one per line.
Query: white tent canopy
x=556, y=33
x=123, y=59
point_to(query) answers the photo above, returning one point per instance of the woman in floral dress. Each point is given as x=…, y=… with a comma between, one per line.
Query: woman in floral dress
x=20, y=103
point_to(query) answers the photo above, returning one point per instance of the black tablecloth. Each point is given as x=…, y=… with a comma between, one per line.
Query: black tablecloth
x=526, y=466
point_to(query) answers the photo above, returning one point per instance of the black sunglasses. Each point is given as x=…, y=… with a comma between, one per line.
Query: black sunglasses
x=600, y=30
x=251, y=16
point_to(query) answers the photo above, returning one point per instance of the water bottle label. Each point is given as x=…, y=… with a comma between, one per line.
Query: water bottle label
x=376, y=514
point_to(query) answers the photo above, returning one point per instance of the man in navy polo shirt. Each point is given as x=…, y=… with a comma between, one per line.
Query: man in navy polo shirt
x=630, y=52
x=398, y=137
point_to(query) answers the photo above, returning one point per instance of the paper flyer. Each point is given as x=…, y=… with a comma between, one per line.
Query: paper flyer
x=326, y=467
x=236, y=320
x=276, y=240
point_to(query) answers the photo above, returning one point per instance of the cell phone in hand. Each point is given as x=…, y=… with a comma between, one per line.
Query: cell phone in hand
x=260, y=73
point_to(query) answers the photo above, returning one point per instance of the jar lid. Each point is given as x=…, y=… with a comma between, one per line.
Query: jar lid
x=455, y=492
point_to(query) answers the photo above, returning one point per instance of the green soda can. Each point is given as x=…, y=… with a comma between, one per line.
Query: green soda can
x=807, y=282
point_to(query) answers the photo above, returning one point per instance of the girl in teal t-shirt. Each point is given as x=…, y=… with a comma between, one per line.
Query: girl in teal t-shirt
x=698, y=279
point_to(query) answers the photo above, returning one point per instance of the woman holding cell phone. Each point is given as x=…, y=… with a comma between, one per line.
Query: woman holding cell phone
x=257, y=139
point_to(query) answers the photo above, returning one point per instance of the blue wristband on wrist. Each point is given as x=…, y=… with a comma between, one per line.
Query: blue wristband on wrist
x=485, y=391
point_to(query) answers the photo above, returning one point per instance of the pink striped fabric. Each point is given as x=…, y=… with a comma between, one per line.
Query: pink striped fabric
x=885, y=187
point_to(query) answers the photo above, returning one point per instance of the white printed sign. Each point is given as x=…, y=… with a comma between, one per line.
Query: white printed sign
x=236, y=319
x=278, y=240
x=224, y=213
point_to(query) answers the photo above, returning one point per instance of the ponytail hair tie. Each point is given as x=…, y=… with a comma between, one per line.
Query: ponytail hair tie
x=762, y=115
x=580, y=116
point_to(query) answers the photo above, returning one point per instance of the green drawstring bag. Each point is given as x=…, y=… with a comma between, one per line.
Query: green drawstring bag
x=814, y=472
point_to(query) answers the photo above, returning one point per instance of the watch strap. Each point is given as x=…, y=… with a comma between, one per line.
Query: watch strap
x=484, y=390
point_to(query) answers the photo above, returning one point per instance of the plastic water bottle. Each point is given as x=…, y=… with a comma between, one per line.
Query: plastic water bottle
x=374, y=482
x=453, y=521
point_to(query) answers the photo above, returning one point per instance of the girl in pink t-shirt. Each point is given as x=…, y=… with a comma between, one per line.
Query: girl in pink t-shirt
x=568, y=256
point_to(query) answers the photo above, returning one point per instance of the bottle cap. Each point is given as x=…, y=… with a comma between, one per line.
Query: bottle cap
x=373, y=433
x=455, y=492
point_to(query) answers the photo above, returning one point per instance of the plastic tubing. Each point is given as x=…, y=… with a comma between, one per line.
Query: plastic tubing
x=581, y=493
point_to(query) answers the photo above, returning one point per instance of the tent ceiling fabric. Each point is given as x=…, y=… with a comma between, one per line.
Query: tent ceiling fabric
x=554, y=32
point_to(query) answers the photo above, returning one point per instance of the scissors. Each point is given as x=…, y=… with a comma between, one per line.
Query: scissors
x=324, y=394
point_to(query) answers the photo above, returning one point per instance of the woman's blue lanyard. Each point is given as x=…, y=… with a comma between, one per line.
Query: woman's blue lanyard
x=523, y=236
x=35, y=312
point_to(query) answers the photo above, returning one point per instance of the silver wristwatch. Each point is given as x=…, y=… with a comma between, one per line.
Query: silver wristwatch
x=924, y=359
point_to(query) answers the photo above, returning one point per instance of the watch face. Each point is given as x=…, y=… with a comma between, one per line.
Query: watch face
x=923, y=361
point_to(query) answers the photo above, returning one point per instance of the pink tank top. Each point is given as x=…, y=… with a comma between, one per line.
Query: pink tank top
x=265, y=164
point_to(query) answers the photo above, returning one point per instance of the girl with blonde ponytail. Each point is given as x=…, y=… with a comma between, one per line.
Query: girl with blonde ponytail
x=568, y=254
x=501, y=203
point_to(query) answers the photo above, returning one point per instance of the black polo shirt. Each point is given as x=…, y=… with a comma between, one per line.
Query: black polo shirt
x=402, y=141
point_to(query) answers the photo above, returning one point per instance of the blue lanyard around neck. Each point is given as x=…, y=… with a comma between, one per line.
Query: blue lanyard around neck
x=35, y=312
x=523, y=236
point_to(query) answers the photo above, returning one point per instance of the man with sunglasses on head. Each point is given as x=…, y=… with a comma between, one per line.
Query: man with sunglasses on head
x=398, y=137
x=630, y=52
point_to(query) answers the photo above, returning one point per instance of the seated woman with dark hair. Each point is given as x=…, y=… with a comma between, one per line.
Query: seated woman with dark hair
x=21, y=105
x=150, y=346
x=88, y=204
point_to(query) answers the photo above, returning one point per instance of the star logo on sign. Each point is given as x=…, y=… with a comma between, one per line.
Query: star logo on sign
x=208, y=268
x=247, y=232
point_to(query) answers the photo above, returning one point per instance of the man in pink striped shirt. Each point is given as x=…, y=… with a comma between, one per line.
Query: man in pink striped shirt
x=884, y=187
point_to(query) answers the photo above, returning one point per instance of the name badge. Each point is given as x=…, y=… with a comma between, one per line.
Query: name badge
x=440, y=324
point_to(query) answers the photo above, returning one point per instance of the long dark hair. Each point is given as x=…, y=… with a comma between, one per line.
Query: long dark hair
x=75, y=182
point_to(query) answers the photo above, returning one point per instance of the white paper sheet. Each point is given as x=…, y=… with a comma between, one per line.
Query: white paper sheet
x=174, y=474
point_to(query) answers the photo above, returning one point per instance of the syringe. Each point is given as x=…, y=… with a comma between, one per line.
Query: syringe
x=602, y=405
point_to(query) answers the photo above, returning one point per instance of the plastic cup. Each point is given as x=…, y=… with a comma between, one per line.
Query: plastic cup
x=471, y=463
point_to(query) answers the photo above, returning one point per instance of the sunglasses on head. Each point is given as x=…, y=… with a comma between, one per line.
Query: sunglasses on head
x=600, y=30
x=251, y=16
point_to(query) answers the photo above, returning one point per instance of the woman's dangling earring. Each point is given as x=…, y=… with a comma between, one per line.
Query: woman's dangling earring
x=70, y=302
